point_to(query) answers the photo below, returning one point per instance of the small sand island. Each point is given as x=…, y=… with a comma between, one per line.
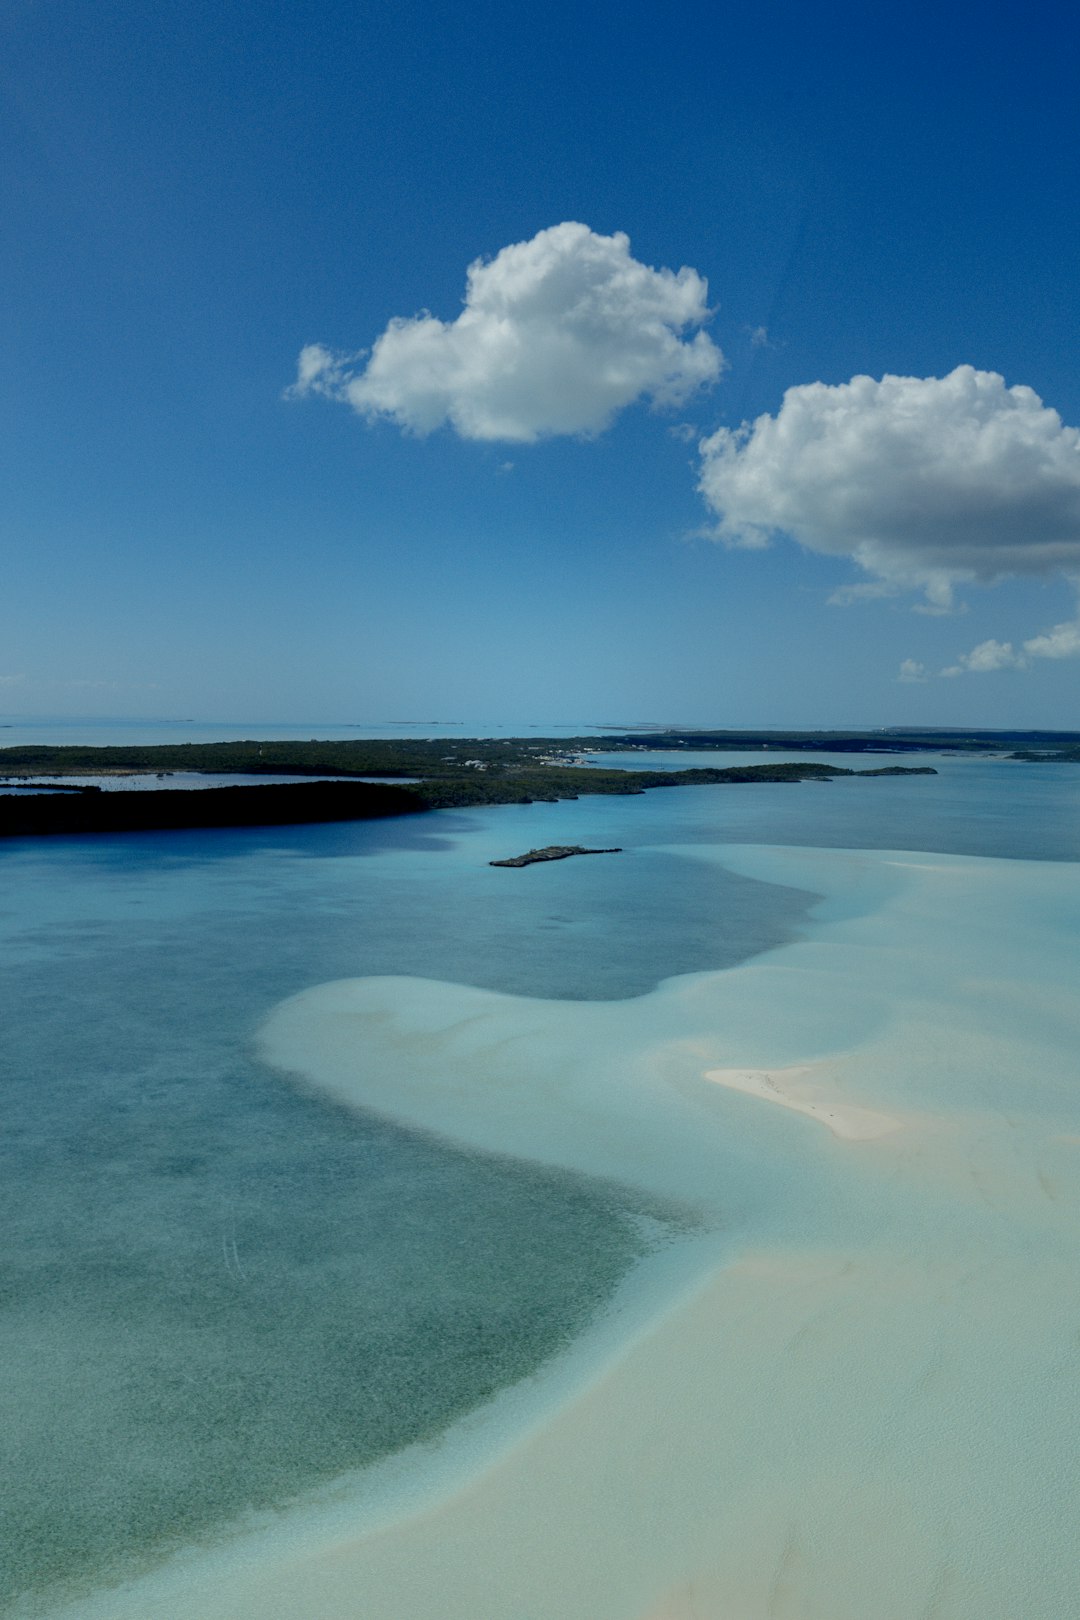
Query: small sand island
x=790, y=1089
x=553, y=852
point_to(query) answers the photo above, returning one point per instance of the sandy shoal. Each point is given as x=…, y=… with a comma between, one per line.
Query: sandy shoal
x=869, y=1411
x=789, y=1089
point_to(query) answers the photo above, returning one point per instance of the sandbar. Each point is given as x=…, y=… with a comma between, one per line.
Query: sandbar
x=787, y=1087
x=864, y=1402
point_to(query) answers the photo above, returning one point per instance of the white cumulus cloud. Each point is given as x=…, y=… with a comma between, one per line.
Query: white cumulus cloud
x=985, y=658
x=921, y=481
x=557, y=334
x=1062, y=641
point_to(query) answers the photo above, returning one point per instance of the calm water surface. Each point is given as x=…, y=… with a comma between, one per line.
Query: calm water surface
x=218, y=1291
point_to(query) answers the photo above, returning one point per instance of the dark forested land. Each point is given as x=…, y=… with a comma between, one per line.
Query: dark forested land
x=444, y=775
x=1055, y=756
x=89, y=810
x=526, y=783
x=890, y=740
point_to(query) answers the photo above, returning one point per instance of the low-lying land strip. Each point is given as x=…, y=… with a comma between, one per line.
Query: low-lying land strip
x=443, y=774
x=89, y=810
x=399, y=756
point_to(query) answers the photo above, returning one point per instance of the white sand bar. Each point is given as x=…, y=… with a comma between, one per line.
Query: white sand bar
x=863, y=1401
x=789, y=1088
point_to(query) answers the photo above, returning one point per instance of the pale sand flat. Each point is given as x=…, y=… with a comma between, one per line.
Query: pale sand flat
x=788, y=1088
x=691, y=1601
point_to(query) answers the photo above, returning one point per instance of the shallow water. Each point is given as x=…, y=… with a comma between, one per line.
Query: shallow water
x=223, y=1289
x=869, y=1408
x=218, y=1291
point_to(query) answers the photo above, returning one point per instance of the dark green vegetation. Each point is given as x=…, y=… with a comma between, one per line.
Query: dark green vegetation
x=452, y=774
x=525, y=783
x=89, y=810
x=553, y=852
x=451, y=756
x=889, y=740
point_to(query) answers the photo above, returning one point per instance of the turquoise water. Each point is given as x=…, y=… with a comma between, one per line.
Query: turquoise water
x=218, y=1291
x=221, y=1289
x=869, y=1406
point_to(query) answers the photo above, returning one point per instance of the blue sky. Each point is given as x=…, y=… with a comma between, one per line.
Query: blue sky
x=494, y=520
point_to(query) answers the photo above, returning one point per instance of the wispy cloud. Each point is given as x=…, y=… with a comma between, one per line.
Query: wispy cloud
x=557, y=335
x=911, y=670
x=870, y=590
x=88, y=685
x=37, y=684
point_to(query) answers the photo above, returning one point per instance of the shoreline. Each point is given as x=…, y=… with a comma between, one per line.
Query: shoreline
x=423, y=1479
x=79, y=811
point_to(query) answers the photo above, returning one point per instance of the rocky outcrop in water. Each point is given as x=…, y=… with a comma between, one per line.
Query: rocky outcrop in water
x=553, y=852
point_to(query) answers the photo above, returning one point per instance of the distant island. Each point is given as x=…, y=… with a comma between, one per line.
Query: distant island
x=887, y=740
x=414, y=776
x=553, y=852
